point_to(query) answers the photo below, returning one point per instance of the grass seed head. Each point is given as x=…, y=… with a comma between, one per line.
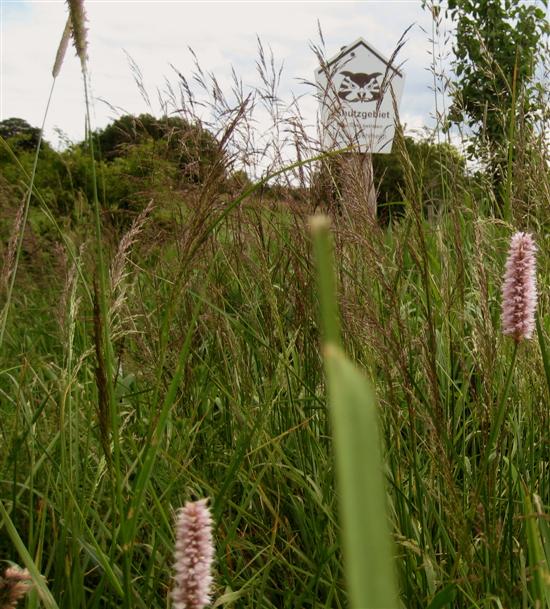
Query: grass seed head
x=78, y=20
x=62, y=48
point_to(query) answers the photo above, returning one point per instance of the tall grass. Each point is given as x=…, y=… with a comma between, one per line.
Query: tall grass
x=142, y=372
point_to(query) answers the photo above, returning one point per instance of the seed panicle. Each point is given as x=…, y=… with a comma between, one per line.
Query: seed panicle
x=62, y=49
x=78, y=19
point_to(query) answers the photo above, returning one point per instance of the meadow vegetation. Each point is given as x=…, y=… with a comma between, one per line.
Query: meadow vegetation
x=161, y=341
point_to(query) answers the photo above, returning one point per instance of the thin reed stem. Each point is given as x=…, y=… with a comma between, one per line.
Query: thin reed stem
x=498, y=421
x=108, y=358
x=5, y=311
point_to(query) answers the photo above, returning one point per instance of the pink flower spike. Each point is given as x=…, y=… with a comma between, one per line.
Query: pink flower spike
x=194, y=556
x=14, y=584
x=519, y=290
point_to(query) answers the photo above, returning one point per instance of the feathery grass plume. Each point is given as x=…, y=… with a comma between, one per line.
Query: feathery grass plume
x=14, y=584
x=519, y=290
x=117, y=273
x=11, y=250
x=78, y=18
x=62, y=48
x=193, y=556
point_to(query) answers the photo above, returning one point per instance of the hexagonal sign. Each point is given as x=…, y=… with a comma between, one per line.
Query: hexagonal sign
x=359, y=92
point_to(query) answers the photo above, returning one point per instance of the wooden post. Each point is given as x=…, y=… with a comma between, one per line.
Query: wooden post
x=358, y=191
x=368, y=181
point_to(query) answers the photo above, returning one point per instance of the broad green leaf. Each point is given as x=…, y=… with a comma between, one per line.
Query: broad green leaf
x=366, y=535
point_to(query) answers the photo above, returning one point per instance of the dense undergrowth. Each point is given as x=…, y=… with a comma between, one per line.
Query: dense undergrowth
x=175, y=355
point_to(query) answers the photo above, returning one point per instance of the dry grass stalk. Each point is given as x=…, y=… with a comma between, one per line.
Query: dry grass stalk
x=119, y=262
x=121, y=318
x=103, y=405
x=10, y=256
x=69, y=302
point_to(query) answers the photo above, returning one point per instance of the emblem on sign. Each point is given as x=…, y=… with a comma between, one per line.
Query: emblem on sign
x=360, y=87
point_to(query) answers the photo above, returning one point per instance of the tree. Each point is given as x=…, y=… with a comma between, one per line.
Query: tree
x=192, y=147
x=497, y=46
x=21, y=135
x=434, y=166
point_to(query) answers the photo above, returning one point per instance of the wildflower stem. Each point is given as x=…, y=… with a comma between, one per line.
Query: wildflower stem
x=501, y=411
x=543, y=351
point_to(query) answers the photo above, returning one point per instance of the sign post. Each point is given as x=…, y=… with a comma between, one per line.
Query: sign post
x=359, y=92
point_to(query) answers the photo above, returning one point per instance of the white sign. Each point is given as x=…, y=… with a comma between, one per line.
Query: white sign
x=359, y=91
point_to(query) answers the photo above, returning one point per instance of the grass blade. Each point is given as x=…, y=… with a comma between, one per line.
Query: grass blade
x=366, y=536
x=537, y=558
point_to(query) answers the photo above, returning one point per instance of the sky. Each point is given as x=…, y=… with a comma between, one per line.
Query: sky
x=156, y=35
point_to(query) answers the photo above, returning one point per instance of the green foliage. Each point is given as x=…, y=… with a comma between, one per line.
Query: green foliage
x=435, y=165
x=20, y=133
x=431, y=163
x=497, y=48
x=499, y=44
x=218, y=361
x=143, y=158
x=190, y=146
x=53, y=178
